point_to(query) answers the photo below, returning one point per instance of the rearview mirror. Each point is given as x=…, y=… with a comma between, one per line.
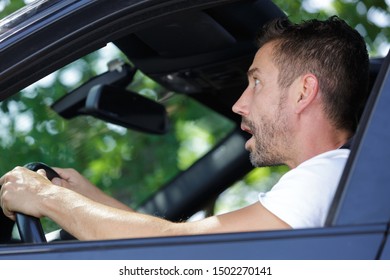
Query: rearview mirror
x=125, y=108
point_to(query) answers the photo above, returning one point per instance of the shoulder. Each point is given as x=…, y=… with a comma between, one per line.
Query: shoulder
x=322, y=170
x=303, y=195
x=330, y=161
x=333, y=156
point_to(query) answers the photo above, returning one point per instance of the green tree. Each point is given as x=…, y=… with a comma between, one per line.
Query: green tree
x=7, y=6
x=370, y=17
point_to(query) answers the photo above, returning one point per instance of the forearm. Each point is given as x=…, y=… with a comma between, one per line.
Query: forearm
x=89, y=220
x=103, y=198
x=74, y=181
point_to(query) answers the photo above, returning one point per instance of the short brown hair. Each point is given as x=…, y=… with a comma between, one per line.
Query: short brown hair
x=331, y=50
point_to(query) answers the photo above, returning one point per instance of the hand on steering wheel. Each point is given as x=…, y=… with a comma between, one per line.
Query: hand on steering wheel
x=30, y=228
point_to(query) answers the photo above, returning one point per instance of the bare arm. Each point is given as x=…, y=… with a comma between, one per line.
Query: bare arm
x=87, y=219
x=71, y=179
x=90, y=220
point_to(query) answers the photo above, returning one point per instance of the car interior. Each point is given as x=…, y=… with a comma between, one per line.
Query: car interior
x=203, y=54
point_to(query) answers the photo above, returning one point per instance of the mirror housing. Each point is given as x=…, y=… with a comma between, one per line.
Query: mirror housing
x=125, y=108
x=105, y=98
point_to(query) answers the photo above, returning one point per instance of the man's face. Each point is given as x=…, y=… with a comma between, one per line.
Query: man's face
x=264, y=111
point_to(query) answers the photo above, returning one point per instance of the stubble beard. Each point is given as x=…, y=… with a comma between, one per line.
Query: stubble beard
x=271, y=141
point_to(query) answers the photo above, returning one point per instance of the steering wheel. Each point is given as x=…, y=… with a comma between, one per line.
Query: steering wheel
x=30, y=228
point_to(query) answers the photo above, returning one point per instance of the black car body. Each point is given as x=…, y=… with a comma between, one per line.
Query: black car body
x=202, y=49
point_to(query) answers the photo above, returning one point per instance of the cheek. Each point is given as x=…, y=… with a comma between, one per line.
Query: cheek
x=263, y=107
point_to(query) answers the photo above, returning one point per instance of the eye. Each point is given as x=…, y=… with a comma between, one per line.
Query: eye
x=256, y=81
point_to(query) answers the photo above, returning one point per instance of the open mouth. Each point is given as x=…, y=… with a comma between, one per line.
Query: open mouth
x=246, y=128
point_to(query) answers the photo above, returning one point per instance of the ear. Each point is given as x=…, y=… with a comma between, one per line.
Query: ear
x=308, y=90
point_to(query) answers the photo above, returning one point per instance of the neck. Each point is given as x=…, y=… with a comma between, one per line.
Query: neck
x=316, y=142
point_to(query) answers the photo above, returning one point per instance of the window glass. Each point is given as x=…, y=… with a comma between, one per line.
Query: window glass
x=127, y=164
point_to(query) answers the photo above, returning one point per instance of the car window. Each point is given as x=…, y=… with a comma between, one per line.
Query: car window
x=127, y=164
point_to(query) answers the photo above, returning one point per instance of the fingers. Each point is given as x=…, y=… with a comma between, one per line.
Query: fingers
x=65, y=177
x=9, y=214
x=57, y=181
x=4, y=179
x=42, y=172
x=64, y=173
x=3, y=198
x=19, y=187
x=69, y=176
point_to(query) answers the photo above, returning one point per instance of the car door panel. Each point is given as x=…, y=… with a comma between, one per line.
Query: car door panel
x=362, y=242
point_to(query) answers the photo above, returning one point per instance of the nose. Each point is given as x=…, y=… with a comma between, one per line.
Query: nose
x=241, y=105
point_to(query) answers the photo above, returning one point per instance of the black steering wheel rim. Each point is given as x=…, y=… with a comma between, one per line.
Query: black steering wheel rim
x=30, y=228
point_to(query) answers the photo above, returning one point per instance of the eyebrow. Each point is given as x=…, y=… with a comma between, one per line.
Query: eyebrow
x=253, y=71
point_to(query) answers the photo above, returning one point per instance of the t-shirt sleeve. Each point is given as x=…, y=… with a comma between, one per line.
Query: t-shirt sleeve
x=302, y=197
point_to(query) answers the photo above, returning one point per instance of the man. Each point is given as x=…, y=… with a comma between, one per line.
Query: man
x=306, y=88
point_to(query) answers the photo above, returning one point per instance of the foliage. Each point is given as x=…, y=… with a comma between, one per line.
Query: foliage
x=7, y=6
x=370, y=17
x=127, y=164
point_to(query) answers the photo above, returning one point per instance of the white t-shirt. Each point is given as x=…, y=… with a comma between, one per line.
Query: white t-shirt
x=303, y=195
